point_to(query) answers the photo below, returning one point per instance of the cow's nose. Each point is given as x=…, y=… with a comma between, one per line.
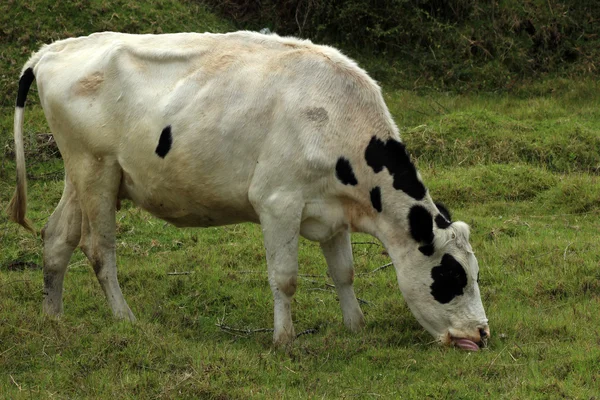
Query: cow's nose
x=484, y=332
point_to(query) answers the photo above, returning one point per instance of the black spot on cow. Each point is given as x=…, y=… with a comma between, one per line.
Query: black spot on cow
x=376, y=198
x=344, y=172
x=393, y=156
x=165, y=142
x=24, y=85
x=444, y=211
x=427, y=249
x=441, y=222
x=449, y=280
x=420, y=222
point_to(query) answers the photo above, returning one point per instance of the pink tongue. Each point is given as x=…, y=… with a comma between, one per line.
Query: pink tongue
x=467, y=344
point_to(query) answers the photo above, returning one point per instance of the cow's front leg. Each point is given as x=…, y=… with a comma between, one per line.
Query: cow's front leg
x=281, y=226
x=338, y=253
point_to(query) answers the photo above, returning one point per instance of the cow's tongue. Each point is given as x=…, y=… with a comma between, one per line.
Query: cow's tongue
x=466, y=344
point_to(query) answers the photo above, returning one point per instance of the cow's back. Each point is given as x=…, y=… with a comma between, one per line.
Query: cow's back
x=190, y=117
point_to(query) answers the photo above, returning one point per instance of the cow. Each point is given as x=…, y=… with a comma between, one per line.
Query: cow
x=213, y=129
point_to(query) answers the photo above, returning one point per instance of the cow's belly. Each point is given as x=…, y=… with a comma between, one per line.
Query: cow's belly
x=190, y=200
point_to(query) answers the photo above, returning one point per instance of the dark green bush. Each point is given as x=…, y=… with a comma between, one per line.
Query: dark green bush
x=461, y=43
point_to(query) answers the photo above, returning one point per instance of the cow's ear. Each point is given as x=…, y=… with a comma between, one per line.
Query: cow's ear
x=421, y=228
x=444, y=211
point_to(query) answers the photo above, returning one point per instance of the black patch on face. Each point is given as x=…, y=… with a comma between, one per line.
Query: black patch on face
x=24, y=85
x=376, y=198
x=449, y=280
x=444, y=211
x=164, y=143
x=441, y=222
x=393, y=156
x=427, y=250
x=421, y=224
x=344, y=172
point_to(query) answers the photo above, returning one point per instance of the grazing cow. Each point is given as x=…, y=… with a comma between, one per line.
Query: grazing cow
x=214, y=129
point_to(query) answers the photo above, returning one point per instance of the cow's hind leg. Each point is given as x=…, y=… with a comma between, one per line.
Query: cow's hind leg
x=61, y=236
x=338, y=253
x=98, y=198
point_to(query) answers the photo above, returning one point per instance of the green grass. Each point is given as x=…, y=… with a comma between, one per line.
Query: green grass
x=535, y=223
x=26, y=26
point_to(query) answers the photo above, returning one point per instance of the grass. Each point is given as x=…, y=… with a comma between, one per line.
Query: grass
x=522, y=169
x=534, y=227
x=25, y=26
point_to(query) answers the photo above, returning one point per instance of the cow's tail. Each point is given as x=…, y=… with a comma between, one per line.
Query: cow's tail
x=18, y=204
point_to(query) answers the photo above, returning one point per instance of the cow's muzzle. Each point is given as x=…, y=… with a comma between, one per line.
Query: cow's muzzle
x=470, y=342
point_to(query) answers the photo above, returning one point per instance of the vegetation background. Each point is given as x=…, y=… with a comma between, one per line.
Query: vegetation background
x=499, y=104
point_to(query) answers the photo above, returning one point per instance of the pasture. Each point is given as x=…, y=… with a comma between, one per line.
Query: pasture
x=522, y=169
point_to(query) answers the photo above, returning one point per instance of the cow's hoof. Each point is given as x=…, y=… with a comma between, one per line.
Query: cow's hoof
x=52, y=310
x=125, y=315
x=356, y=323
x=284, y=338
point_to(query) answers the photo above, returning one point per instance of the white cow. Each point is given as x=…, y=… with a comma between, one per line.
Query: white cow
x=213, y=129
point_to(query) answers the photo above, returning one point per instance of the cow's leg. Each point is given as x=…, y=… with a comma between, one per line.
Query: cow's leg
x=98, y=203
x=61, y=236
x=338, y=253
x=280, y=222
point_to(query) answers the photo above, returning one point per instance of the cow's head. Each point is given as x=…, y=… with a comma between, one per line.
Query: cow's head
x=438, y=275
x=435, y=264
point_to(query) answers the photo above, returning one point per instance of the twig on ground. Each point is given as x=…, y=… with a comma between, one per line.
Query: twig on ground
x=180, y=273
x=246, y=331
x=80, y=263
x=7, y=350
x=565, y=252
x=331, y=291
x=250, y=331
x=364, y=301
x=315, y=282
x=494, y=360
x=321, y=289
x=439, y=105
x=377, y=269
x=373, y=243
x=292, y=371
x=308, y=332
x=520, y=348
x=16, y=384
